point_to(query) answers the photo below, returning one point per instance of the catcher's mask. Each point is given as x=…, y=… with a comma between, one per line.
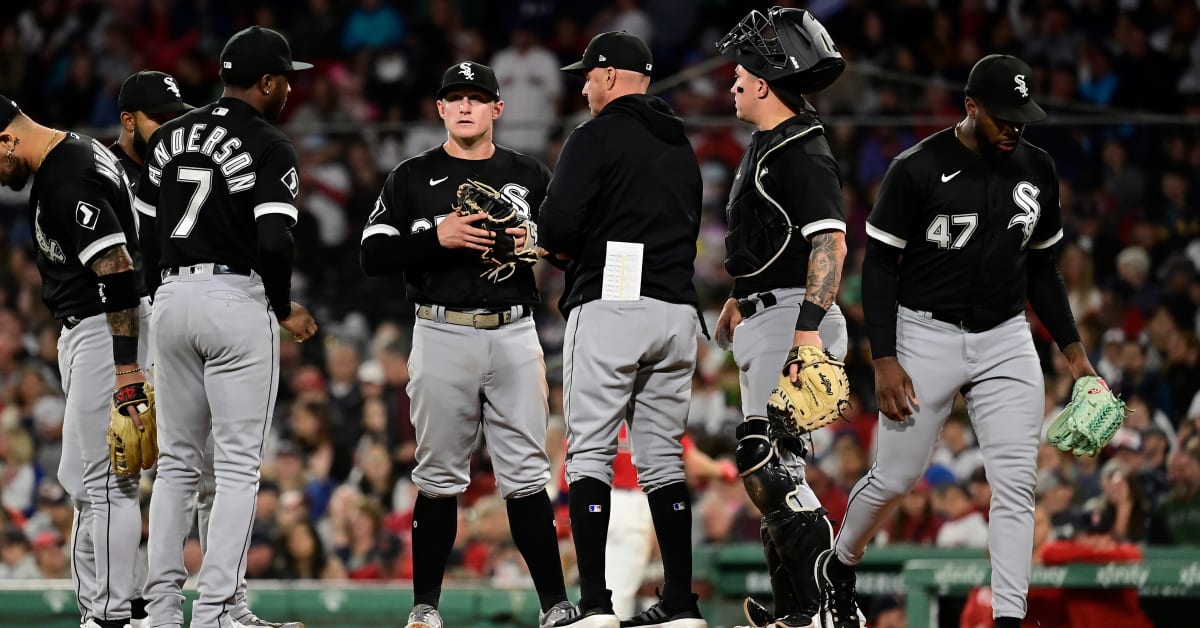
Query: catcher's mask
x=788, y=46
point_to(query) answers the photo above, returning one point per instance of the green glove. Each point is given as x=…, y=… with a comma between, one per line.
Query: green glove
x=1090, y=420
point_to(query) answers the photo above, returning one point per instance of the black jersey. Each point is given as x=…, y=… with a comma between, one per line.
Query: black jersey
x=131, y=172
x=787, y=187
x=209, y=175
x=79, y=207
x=129, y=167
x=964, y=224
x=419, y=193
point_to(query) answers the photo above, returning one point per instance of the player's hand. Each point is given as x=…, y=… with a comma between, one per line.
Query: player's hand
x=125, y=380
x=299, y=323
x=803, y=338
x=730, y=318
x=519, y=234
x=894, y=390
x=460, y=232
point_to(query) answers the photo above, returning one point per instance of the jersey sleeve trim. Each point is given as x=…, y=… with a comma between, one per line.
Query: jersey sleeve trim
x=386, y=230
x=287, y=209
x=145, y=208
x=828, y=224
x=885, y=237
x=94, y=248
x=1045, y=244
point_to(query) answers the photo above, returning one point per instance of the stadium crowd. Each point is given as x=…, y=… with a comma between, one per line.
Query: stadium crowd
x=335, y=501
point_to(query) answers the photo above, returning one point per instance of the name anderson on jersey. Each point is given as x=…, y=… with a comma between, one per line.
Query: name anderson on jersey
x=195, y=139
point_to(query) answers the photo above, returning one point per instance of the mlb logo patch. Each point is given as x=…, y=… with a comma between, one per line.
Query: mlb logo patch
x=595, y=508
x=678, y=506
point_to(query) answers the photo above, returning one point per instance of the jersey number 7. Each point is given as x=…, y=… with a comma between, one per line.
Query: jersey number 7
x=202, y=177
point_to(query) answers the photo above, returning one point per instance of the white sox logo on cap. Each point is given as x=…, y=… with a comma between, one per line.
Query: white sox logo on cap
x=171, y=86
x=1020, y=81
x=464, y=69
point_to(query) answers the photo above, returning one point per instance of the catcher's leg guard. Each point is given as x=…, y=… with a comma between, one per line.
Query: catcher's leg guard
x=782, y=585
x=768, y=483
x=800, y=537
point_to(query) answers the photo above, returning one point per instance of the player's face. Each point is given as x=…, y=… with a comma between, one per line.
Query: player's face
x=469, y=113
x=596, y=85
x=277, y=98
x=996, y=136
x=144, y=125
x=14, y=173
x=743, y=90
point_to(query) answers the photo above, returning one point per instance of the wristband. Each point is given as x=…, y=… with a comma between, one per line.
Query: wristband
x=810, y=316
x=125, y=349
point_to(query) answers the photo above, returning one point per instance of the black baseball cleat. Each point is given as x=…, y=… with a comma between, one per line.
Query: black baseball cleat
x=660, y=616
x=839, y=606
x=595, y=617
x=760, y=616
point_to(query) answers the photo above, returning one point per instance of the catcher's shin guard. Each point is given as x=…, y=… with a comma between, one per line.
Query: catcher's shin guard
x=782, y=587
x=769, y=483
x=799, y=537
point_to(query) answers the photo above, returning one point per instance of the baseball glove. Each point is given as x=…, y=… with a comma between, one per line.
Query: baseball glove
x=819, y=397
x=1090, y=420
x=504, y=257
x=129, y=449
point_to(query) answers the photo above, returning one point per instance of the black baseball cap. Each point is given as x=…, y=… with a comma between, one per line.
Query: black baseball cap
x=8, y=111
x=256, y=51
x=470, y=74
x=151, y=92
x=1001, y=84
x=616, y=49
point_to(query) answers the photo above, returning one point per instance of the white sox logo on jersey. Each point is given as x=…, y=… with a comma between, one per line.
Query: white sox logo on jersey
x=49, y=247
x=464, y=69
x=515, y=194
x=1025, y=195
x=1020, y=81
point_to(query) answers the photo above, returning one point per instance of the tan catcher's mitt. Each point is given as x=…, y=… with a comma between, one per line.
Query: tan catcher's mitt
x=819, y=397
x=504, y=257
x=129, y=449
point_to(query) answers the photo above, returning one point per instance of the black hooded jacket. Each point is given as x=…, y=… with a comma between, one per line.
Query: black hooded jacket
x=627, y=175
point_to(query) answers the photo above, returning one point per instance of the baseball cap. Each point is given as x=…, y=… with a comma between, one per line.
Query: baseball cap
x=151, y=92
x=8, y=111
x=616, y=49
x=1000, y=82
x=257, y=51
x=470, y=74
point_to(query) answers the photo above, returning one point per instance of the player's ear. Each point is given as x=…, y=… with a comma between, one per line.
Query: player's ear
x=498, y=109
x=441, y=107
x=969, y=103
x=128, y=121
x=265, y=83
x=761, y=89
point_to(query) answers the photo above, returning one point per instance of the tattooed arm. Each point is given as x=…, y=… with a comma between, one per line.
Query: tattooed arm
x=824, y=277
x=112, y=261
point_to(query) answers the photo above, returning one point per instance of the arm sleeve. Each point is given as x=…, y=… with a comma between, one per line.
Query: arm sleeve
x=277, y=183
x=87, y=203
x=388, y=245
x=806, y=183
x=1048, y=296
x=1049, y=229
x=575, y=184
x=275, y=261
x=880, y=282
x=891, y=220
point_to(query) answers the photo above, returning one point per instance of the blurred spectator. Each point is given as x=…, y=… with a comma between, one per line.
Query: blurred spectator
x=914, y=521
x=955, y=448
x=1177, y=517
x=1123, y=501
x=18, y=476
x=373, y=24
x=530, y=84
x=302, y=555
x=963, y=525
x=16, y=559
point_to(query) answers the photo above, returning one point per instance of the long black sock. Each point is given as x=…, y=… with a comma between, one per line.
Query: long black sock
x=671, y=509
x=531, y=519
x=590, y=502
x=435, y=524
x=1008, y=622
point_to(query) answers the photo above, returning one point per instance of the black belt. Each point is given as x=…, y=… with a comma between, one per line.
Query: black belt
x=748, y=307
x=966, y=324
x=217, y=269
x=71, y=322
x=478, y=320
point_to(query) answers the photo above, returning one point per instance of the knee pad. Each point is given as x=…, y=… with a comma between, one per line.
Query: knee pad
x=768, y=482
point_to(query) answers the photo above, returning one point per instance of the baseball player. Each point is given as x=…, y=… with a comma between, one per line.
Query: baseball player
x=784, y=249
x=84, y=229
x=623, y=212
x=476, y=362
x=960, y=239
x=216, y=201
x=147, y=100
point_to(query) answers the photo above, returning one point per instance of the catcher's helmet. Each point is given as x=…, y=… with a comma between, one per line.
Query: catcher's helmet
x=787, y=46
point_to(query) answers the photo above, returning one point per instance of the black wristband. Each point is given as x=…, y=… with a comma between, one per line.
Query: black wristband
x=810, y=316
x=118, y=291
x=125, y=349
